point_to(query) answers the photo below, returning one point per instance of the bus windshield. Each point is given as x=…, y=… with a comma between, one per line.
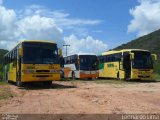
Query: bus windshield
x=88, y=62
x=142, y=60
x=40, y=53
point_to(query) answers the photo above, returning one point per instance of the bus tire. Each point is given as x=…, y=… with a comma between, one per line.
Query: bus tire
x=6, y=79
x=73, y=76
x=127, y=79
x=18, y=82
x=47, y=83
x=118, y=76
x=89, y=78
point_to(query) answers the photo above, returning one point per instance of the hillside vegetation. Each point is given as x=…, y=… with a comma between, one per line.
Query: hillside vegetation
x=149, y=42
x=2, y=53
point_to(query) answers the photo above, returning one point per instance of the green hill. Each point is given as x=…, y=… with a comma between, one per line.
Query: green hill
x=149, y=42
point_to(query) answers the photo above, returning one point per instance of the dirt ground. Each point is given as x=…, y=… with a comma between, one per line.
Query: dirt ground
x=84, y=97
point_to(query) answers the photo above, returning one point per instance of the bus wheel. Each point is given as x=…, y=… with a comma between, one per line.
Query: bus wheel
x=6, y=79
x=18, y=82
x=89, y=78
x=127, y=79
x=73, y=76
x=47, y=83
x=118, y=76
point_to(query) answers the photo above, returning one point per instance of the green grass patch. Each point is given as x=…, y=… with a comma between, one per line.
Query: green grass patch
x=3, y=83
x=74, y=80
x=5, y=92
x=156, y=76
x=66, y=79
x=98, y=81
x=111, y=81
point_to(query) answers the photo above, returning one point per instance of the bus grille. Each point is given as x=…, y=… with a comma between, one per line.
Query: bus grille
x=43, y=71
x=43, y=76
x=143, y=76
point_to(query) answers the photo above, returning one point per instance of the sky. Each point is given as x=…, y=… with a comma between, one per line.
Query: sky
x=88, y=26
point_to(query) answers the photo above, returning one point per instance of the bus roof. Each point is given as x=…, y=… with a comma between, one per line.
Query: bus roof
x=123, y=50
x=42, y=41
x=81, y=54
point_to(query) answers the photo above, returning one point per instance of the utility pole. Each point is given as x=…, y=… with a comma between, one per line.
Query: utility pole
x=66, y=48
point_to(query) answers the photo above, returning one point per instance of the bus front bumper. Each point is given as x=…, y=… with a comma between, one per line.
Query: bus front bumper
x=89, y=74
x=142, y=74
x=39, y=77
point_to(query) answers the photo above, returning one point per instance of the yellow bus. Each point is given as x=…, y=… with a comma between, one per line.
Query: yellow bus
x=81, y=66
x=126, y=64
x=32, y=61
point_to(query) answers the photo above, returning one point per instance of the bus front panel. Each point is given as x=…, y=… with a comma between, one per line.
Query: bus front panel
x=40, y=72
x=40, y=62
x=142, y=66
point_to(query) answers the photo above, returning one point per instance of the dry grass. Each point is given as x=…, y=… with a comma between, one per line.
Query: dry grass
x=5, y=91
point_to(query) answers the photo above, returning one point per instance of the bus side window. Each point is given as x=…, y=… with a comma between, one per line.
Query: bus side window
x=68, y=60
x=104, y=59
x=64, y=60
x=9, y=59
x=109, y=58
x=72, y=59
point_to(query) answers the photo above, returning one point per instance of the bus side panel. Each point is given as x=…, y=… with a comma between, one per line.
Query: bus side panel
x=77, y=74
x=111, y=69
x=121, y=74
x=68, y=69
x=12, y=73
x=101, y=69
x=67, y=72
x=5, y=72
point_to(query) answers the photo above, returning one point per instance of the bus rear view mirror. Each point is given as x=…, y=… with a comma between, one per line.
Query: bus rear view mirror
x=60, y=52
x=154, y=57
x=132, y=56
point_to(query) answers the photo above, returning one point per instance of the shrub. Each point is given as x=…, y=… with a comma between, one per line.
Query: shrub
x=157, y=67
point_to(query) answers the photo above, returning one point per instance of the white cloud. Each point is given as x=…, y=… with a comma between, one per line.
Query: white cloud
x=7, y=23
x=14, y=29
x=38, y=22
x=146, y=17
x=61, y=17
x=1, y=2
x=84, y=45
x=41, y=28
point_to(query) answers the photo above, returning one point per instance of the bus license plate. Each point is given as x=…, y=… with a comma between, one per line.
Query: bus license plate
x=42, y=78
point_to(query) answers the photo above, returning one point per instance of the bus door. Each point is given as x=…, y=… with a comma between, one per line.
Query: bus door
x=127, y=64
x=19, y=61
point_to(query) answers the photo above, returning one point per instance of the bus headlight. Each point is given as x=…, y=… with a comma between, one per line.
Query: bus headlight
x=55, y=71
x=28, y=71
